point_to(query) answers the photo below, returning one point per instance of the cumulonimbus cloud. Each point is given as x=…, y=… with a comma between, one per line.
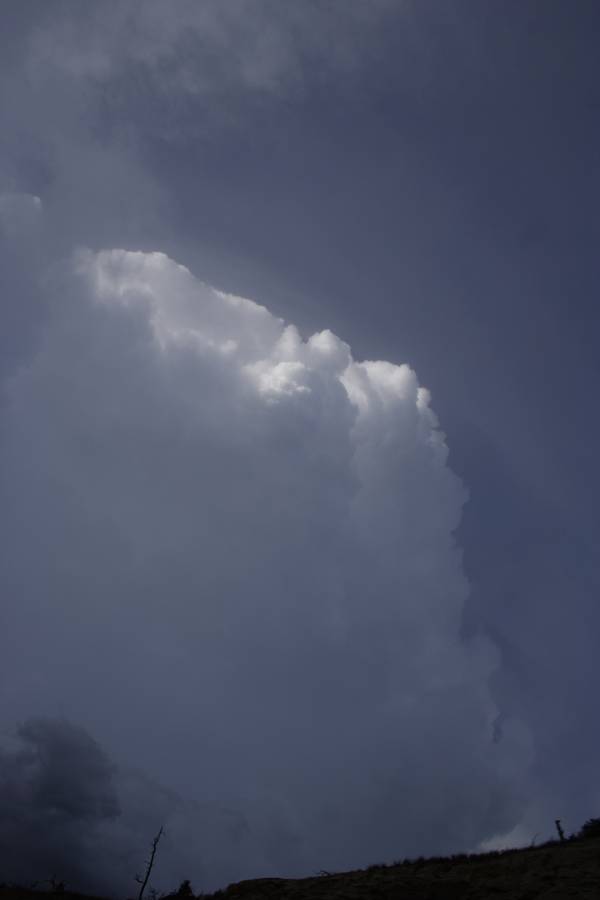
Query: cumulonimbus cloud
x=232, y=559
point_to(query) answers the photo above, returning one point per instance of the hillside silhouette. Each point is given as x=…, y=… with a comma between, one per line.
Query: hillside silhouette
x=556, y=870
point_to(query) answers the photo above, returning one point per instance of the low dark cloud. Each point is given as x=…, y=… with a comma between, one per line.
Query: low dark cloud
x=57, y=790
x=69, y=814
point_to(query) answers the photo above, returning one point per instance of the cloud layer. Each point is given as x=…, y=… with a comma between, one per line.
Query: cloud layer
x=207, y=48
x=231, y=559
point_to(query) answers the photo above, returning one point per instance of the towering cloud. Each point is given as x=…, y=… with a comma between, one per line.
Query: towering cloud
x=231, y=559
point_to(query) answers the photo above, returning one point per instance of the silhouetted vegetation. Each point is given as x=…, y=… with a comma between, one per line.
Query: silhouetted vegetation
x=144, y=881
x=565, y=867
x=591, y=829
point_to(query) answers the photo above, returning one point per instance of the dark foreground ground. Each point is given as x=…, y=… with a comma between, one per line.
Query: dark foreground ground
x=553, y=871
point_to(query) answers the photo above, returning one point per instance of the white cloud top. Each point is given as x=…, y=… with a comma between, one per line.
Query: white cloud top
x=242, y=543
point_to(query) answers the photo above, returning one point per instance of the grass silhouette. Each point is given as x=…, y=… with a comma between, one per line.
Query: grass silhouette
x=555, y=870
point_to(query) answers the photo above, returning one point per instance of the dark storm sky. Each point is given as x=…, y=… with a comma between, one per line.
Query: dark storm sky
x=441, y=207
x=423, y=179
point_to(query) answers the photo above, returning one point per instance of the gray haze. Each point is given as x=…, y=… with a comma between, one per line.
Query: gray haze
x=237, y=556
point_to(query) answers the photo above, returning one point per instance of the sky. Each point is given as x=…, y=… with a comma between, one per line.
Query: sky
x=298, y=458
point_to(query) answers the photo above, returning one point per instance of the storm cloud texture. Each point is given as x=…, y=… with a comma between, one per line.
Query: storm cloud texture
x=245, y=573
x=233, y=594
